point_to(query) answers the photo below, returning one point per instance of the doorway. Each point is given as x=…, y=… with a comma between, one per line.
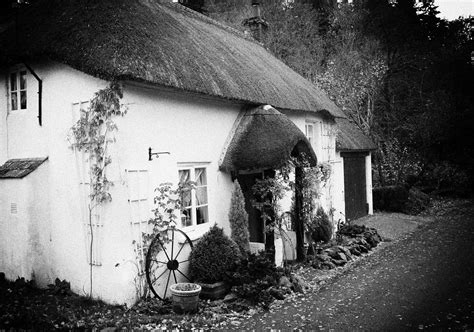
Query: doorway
x=355, y=192
x=256, y=224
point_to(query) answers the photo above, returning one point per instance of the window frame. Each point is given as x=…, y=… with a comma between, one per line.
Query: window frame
x=192, y=167
x=310, y=138
x=18, y=72
x=316, y=139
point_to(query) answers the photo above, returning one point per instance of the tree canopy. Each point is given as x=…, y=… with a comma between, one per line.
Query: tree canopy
x=402, y=74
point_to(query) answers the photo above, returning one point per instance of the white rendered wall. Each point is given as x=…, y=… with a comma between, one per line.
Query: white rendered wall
x=192, y=129
x=338, y=200
x=3, y=119
x=25, y=233
x=332, y=194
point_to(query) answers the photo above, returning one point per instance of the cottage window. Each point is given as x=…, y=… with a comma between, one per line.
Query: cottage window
x=194, y=203
x=310, y=132
x=328, y=141
x=18, y=97
x=313, y=134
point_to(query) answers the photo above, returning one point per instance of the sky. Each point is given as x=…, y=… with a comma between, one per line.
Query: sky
x=452, y=9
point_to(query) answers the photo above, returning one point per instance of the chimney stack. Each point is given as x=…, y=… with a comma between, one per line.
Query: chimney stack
x=256, y=23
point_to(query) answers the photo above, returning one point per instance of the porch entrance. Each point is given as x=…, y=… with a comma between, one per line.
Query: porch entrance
x=256, y=225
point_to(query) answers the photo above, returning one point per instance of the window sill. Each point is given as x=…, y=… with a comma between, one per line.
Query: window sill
x=196, y=232
x=20, y=111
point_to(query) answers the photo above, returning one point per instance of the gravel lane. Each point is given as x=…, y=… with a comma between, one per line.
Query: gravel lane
x=424, y=280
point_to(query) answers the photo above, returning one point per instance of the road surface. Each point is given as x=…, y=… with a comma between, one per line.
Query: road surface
x=423, y=281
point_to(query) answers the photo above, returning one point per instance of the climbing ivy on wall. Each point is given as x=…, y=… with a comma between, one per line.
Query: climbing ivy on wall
x=92, y=134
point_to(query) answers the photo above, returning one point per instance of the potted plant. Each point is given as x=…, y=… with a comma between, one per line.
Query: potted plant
x=185, y=297
x=213, y=256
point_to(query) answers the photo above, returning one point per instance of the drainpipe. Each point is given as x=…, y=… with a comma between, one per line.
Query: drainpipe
x=40, y=93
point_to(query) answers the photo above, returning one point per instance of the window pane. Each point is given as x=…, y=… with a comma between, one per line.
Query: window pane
x=23, y=100
x=13, y=84
x=184, y=176
x=201, y=195
x=23, y=80
x=186, y=198
x=14, y=101
x=202, y=215
x=201, y=178
x=186, y=217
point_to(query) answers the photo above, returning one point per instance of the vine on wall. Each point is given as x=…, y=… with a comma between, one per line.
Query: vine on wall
x=168, y=206
x=269, y=191
x=92, y=134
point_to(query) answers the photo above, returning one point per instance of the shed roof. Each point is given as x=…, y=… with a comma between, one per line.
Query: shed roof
x=264, y=138
x=19, y=168
x=160, y=43
x=351, y=138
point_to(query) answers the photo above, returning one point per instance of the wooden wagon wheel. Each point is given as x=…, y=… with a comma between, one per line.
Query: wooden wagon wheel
x=167, y=261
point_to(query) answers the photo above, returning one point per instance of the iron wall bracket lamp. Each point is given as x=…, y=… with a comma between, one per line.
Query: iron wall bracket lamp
x=157, y=154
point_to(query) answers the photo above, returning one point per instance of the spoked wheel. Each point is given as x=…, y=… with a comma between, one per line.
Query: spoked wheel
x=167, y=261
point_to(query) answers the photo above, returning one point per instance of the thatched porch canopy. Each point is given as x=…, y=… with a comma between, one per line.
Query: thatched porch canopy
x=264, y=138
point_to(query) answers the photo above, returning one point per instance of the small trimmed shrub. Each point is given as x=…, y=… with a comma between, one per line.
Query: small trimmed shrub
x=256, y=266
x=320, y=227
x=213, y=256
x=238, y=218
x=390, y=198
x=417, y=202
x=254, y=276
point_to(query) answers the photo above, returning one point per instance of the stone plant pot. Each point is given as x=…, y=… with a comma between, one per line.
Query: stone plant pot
x=215, y=291
x=185, y=297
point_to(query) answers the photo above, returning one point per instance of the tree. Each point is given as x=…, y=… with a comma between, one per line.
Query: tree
x=293, y=35
x=238, y=219
x=398, y=71
x=355, y=68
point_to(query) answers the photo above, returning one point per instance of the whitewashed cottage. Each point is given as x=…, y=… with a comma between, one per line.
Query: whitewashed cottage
x=192, y=87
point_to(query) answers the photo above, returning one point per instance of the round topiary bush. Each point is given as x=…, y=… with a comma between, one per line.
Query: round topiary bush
x=321, y=227
x=213, y=256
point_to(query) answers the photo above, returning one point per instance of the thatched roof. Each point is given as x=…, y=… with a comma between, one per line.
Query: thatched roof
x=350, y=138
x=263, y=138
x=165, y=44
x=19, y=168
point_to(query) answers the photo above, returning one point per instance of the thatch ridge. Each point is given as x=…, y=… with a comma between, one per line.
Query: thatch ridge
x=210, y=20
x=160, y=44
x=263, y=138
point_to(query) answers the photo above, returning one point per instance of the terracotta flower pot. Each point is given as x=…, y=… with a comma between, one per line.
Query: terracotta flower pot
x=185, y=297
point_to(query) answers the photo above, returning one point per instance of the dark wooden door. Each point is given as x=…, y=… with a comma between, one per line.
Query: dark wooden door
x=355, y=193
